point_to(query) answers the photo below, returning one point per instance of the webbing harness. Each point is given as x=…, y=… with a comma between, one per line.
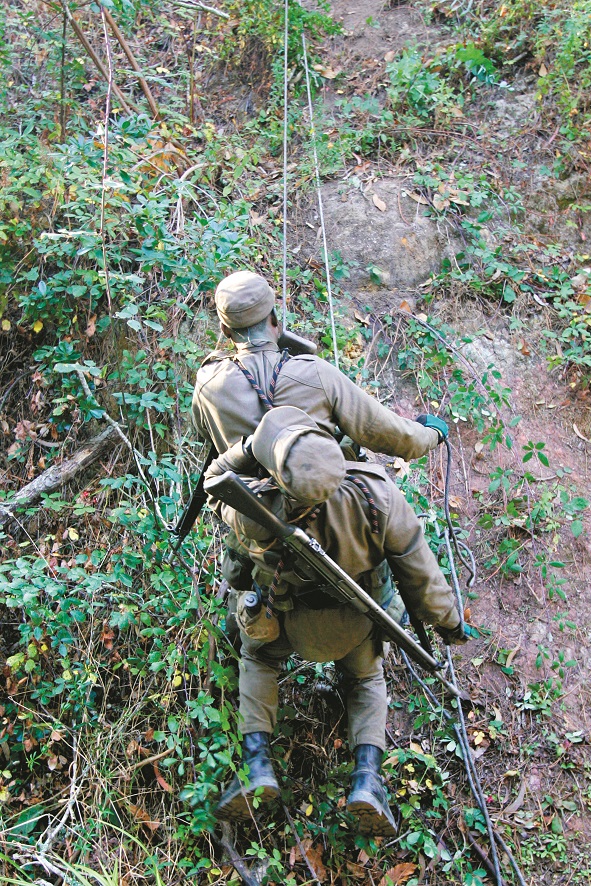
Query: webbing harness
x=305, y=523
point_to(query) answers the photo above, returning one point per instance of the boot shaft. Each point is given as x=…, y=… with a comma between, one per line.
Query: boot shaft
x=255, y=745
x=368, y=758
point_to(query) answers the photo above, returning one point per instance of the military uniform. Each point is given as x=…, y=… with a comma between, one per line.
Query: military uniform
x=308, y=621
x=227, y=408
x=233, y=394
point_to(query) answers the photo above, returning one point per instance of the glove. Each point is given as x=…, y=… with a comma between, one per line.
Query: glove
x=237, y=458
x=433, y=421
x=453, y=636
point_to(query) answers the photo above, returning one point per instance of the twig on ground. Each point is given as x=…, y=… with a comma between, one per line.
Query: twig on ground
x=303, y=852
x=74, y=791
x=226, y=843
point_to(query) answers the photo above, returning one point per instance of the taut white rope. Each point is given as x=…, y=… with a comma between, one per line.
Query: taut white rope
x=320, y=207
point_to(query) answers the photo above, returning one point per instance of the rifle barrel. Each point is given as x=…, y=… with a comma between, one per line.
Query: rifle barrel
x=196, y=502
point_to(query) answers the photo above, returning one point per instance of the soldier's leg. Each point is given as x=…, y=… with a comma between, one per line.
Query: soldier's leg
x=367, y=703
x=260, y=665
x=367, y=708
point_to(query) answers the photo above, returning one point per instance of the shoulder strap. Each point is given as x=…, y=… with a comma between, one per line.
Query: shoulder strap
x=216, y=357
x=266, y=397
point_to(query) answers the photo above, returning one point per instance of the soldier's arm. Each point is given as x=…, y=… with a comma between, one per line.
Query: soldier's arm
x=369, y=423
x=197, y=415
x=414, y=567
x=240, y=460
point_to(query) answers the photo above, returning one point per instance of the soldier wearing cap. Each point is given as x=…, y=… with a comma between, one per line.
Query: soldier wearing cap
x=361, y=519
x=234, y=390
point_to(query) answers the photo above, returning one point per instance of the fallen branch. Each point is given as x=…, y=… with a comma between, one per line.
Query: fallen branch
x=132, y=61
x=57, y=475
x=189, y=4
x=125, y=103
x=239, y=866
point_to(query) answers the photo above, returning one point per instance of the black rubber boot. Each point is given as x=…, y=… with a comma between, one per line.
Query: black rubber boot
x=367, y=799
x=236, y=803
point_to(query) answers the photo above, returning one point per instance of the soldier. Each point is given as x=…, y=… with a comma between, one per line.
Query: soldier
x=234, y=390
x=361, y=519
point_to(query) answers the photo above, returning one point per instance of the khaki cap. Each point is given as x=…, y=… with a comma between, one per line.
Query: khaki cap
x=243, y=299
x=305, y=461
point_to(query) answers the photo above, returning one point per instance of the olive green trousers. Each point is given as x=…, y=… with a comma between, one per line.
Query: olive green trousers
x=341, y=635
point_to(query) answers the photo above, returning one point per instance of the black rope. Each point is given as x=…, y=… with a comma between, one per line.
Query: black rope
x=449, y=534
x=452, y=528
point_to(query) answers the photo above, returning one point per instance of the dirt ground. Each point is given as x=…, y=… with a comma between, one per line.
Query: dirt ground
x=517, y=616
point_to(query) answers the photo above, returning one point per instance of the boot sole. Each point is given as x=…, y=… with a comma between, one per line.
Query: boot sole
x=372, y=821
x=241, y=808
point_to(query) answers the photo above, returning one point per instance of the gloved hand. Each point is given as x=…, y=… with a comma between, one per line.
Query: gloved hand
x=237, y=458
x=453, y=636
x=433, y=421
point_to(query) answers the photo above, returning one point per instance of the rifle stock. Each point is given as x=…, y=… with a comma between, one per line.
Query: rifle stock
x=295, y=344
x=231, y=490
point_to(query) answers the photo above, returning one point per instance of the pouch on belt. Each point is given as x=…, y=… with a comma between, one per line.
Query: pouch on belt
x=251, y=615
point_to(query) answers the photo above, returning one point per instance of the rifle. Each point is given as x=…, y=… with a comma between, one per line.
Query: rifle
x=231, y=490
x=295, y=344
x=196, y=502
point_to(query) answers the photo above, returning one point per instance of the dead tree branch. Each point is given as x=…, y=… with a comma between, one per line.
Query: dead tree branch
x=189, y=4
x=58, y=475
x=132, y=61
x=125, y=103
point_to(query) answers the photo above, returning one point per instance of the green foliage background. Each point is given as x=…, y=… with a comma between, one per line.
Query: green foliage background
x=113, y=234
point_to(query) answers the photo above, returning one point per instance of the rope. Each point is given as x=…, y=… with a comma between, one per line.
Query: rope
x=373, y=511
x=279, y=366
x=265, y=398
x=449, y=535
x=452, y=530
x=469, y=761
x=320, y=206
x=285, y=133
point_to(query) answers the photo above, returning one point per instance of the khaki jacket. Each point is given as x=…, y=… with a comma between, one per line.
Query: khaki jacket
x=226, y=407
x=344, y=530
